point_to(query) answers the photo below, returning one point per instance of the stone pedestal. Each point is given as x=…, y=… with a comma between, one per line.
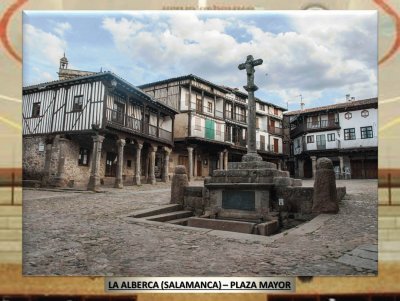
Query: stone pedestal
x=94, y=180
x=325, y=193
x=120, y=164
x=179, y=182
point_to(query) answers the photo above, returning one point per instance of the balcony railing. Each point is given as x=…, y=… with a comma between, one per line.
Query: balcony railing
x=321, y=124
x=275, y=130
x=208, y=133
x=136, y=125
x=236, y=116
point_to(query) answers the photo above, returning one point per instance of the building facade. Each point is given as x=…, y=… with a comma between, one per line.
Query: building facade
x=93, y=128
x=347, y=133
x=211, y=126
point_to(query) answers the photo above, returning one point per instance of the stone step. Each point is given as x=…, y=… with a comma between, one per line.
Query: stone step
x=170, y=216
x=157, y=210
x=179, y=221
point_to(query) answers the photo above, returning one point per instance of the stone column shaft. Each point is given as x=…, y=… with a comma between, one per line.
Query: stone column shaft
x=152, y=176
x=94, y=180
x=195, y=164
x=221, y=160
x=226, y=160
x=301, y=168
x=120, y=164
x=190, y=159
x=165, y=173
x=314, y=165
x=138, y=173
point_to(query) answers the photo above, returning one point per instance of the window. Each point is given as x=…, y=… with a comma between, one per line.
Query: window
x=257, y=123
x=129, y=163
x=366, y=132
x=310, y=139
x=83, y=157
x=78, y=103
x=331, y=137
x=348, y=115
x=275, y=111
x=228, y=112
x=199, y=104
x=350, y=134
x=261, y=106
x=210, y=107
x=364, y=113
x=36, y=109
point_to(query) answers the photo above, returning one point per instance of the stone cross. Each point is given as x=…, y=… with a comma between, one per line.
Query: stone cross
x=251, y=121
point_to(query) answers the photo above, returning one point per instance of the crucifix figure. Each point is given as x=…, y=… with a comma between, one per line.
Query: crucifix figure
x=251, y=122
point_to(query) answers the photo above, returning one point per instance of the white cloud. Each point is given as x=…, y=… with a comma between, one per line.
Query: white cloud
x=61, y=28
x=43, y=46
x=325, y=52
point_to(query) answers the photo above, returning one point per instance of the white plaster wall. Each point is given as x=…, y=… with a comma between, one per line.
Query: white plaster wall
x=357, y=121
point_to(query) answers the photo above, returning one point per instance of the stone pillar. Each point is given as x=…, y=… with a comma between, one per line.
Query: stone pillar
x=178, y=185
x=190, y=155
x=94, y=180
x=195, y=164
x=165, y=174
x=314, y=165
x=341, y=164
x=226, y=159
x=120, y=164
x=221, y=160
x=325, y=193
x=300, y=168
x=138, y=173
x=146, y=167
x=279, y=165
x=152, y=176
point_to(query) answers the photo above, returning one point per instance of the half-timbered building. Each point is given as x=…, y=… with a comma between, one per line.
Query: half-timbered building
x=211, y=127
x=89, y=129
x=346, y=132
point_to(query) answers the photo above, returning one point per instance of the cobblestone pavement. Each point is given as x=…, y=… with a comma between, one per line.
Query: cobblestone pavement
x=88, y=234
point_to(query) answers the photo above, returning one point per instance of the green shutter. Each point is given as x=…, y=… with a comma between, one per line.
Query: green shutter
x=210, y=129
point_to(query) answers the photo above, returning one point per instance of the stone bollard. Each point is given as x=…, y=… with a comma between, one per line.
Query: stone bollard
x=325, y=193
x=178, y=184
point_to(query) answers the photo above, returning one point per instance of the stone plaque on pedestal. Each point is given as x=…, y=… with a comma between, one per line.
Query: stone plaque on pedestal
x=240, y=200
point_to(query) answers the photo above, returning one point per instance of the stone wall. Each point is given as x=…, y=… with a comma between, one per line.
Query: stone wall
x=33, y=160
x=75, y=175
x=298, y=199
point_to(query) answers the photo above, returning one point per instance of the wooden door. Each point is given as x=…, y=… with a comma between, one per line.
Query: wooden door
x=199, y=168
x=276, y=145
x=371, y=169
x=272, y=124
x=111, y=165
x=184, y=160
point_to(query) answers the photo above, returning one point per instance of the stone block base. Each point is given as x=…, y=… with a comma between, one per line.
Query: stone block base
x=224, y=225
x=268, y=228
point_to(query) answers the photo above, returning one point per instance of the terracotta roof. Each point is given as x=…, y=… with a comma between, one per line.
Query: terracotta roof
x=348, y=105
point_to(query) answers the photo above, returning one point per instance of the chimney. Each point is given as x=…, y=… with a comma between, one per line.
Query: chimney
x=347, y=97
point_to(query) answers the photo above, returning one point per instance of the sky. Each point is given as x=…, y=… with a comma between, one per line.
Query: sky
x=320, y=55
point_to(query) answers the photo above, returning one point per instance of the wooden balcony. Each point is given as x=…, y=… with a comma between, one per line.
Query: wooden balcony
x=275, y=131
x=131, y=124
